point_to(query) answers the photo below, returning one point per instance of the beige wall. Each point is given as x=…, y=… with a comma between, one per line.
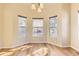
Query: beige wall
x=0, y=27
x=10, y=24
x=63, y=22
x=74, y=26
x=65, y=25
x=1, y=24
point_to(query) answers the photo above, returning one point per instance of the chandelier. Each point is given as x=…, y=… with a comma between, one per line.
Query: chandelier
x=37, y=6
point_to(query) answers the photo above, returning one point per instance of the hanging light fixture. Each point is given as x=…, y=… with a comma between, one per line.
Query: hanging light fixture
x=41, y=5
x=38, y=7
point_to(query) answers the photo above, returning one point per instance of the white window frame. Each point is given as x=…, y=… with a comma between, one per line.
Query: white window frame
x=22, y=31
x=37, y=27
x=53, y=27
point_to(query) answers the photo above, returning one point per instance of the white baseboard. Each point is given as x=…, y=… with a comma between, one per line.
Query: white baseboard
x=75, y=49
x=19, y=45
x=58, y=45
x=38, y=42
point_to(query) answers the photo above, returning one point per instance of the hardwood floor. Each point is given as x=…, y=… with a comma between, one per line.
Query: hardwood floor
x=39, y=49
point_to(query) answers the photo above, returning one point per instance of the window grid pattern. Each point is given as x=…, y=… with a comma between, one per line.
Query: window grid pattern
x=21, y=26
x=37, y=27
x=53, y=26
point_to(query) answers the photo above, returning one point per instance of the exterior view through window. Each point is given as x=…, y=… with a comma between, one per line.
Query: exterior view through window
x=22, y=27
x=53, y=26
x=37, y=27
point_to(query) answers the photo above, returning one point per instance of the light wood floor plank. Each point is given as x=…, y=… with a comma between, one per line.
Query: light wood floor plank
x=52, y=50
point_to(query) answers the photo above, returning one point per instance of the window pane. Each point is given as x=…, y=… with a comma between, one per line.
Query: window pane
x=53, y=27
x=53, y=22
x=53, y=32
x=21, y=26
x=21, y=21
x=37, y=23
x=21, y=30
x=37, y=27
x=37, y=32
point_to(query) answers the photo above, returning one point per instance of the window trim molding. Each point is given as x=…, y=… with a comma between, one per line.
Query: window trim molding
x=22, y=16
x=52, y=16
x=37, y=18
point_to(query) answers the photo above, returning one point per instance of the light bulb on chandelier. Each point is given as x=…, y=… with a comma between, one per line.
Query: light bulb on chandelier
x=38, y=7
